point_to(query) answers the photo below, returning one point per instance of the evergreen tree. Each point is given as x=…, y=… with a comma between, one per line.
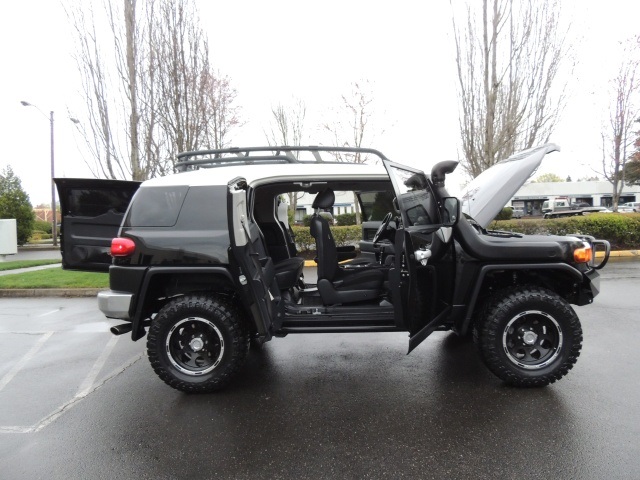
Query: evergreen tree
x=14, y=203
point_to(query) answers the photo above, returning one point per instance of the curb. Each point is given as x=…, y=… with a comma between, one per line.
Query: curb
x=49, y=292
x=621, y=253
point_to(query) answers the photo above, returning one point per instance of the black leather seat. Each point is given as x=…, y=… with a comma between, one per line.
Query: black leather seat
x=287, y=271
x=338, y=285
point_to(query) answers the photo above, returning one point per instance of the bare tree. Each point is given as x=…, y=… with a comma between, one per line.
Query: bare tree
x=508, y=56
x=353, y=126
x=287, y=128
x=618, y=137
x=352, y=121
x=221, y=111
x=153, y=93
x=632, y=168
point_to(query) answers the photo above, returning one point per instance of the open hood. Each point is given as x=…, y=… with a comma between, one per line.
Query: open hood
x=489, y=192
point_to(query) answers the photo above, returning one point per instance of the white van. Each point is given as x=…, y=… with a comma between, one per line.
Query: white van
x=634, y=205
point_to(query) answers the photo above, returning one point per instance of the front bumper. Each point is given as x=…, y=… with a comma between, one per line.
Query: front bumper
x=115, y=304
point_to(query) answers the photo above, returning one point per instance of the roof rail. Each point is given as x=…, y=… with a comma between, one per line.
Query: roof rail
x=264, y=155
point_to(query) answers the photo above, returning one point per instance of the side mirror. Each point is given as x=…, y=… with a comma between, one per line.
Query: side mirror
x=450, y=211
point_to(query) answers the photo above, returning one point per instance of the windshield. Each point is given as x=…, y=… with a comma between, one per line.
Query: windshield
x=375, y=205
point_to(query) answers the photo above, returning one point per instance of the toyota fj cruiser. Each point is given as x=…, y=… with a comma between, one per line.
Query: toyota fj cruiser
x=205, y=260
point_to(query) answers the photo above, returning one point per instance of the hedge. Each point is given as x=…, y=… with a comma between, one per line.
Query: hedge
x=42, y=226
x=346, y=219
x=343, y=236
x=622, y=230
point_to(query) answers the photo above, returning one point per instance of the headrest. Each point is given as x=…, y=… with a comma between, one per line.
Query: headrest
x=324, y=199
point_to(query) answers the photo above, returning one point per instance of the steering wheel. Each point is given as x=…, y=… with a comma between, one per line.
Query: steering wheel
x=383, y=227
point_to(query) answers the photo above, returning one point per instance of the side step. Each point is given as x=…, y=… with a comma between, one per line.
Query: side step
x=321, y=319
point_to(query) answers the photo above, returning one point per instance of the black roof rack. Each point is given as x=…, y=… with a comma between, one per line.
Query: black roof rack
x=264, y=155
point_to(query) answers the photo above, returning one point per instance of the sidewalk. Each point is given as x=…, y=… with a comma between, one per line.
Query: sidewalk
x=29, y=269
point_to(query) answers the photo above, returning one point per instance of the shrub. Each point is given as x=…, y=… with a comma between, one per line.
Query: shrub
x=622, y=230
x=42, y=226
x=345, y=219
x=505, y=214
x=37, y=236
x=349, y=235
x=14, y=203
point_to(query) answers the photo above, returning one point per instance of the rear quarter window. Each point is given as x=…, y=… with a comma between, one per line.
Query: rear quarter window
x=92, y=202
x=156, y=206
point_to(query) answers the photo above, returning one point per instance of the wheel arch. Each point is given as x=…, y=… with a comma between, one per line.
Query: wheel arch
x=559, y=277
x=161, y=284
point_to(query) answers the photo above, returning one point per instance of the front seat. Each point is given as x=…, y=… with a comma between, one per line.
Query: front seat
x=338, y=285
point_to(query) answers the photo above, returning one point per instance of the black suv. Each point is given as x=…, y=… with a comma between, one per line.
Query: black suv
x=205, y=260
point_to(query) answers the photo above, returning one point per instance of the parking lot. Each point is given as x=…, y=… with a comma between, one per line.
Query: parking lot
x=77, y=402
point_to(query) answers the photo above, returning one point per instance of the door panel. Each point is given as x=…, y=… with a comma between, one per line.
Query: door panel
x=257, y=275
x=92, y=211
x=421, y=251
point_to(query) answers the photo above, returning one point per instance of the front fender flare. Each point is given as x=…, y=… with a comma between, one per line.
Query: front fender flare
x=462, y=314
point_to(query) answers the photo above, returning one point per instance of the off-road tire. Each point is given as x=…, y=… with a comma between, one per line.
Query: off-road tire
x=528, y=336
x=197, y=343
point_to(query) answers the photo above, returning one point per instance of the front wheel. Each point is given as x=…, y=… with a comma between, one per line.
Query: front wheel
x=197, y=343
x=529, y=336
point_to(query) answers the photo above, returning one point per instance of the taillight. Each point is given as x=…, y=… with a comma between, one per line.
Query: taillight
x=584, y=254
x=122, y=247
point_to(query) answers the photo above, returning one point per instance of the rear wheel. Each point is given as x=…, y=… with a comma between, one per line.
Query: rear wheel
x=197, y=343
x=529, y=336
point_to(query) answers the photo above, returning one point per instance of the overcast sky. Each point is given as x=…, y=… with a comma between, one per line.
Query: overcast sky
x=276, y=50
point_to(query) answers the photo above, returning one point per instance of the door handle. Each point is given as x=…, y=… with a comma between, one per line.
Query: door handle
x=422, y=256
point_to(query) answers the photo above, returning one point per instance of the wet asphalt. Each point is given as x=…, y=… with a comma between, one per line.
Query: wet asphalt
x=76, y=402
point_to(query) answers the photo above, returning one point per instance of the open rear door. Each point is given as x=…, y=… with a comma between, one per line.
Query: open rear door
x=256, y=270
x=92, y=211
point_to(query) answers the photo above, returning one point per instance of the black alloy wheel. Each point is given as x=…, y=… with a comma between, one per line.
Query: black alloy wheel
x=528, y=336
x=197, y=343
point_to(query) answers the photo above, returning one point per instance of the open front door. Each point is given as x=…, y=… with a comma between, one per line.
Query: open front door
x=421, y=299
x=92, y=211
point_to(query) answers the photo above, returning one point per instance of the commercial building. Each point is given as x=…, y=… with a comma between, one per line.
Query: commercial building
x=594, y=193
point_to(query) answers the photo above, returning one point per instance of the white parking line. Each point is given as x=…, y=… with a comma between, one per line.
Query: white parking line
x=53, y=416
x=21, y=363
x=48, y=313
x=87, y=383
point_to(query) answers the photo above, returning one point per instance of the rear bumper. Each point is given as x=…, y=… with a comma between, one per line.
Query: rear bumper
x=115, y=304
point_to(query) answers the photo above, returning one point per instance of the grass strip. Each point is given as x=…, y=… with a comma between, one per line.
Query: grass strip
x=55, y=278
x=26, y=264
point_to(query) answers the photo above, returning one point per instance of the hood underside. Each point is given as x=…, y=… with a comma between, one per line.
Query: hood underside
x=489, y=192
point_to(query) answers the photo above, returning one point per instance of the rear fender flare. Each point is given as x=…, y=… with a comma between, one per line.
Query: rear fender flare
x=213, y=275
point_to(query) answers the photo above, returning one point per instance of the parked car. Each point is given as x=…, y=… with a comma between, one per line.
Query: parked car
x=517, y=213
x=204, y=260
x=634, y=206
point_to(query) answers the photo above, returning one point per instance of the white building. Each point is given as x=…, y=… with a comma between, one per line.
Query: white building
x=596, y=193
x=343, y=204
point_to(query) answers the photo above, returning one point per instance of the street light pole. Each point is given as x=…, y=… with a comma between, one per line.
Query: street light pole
x=54, y=225
x=54, y=222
